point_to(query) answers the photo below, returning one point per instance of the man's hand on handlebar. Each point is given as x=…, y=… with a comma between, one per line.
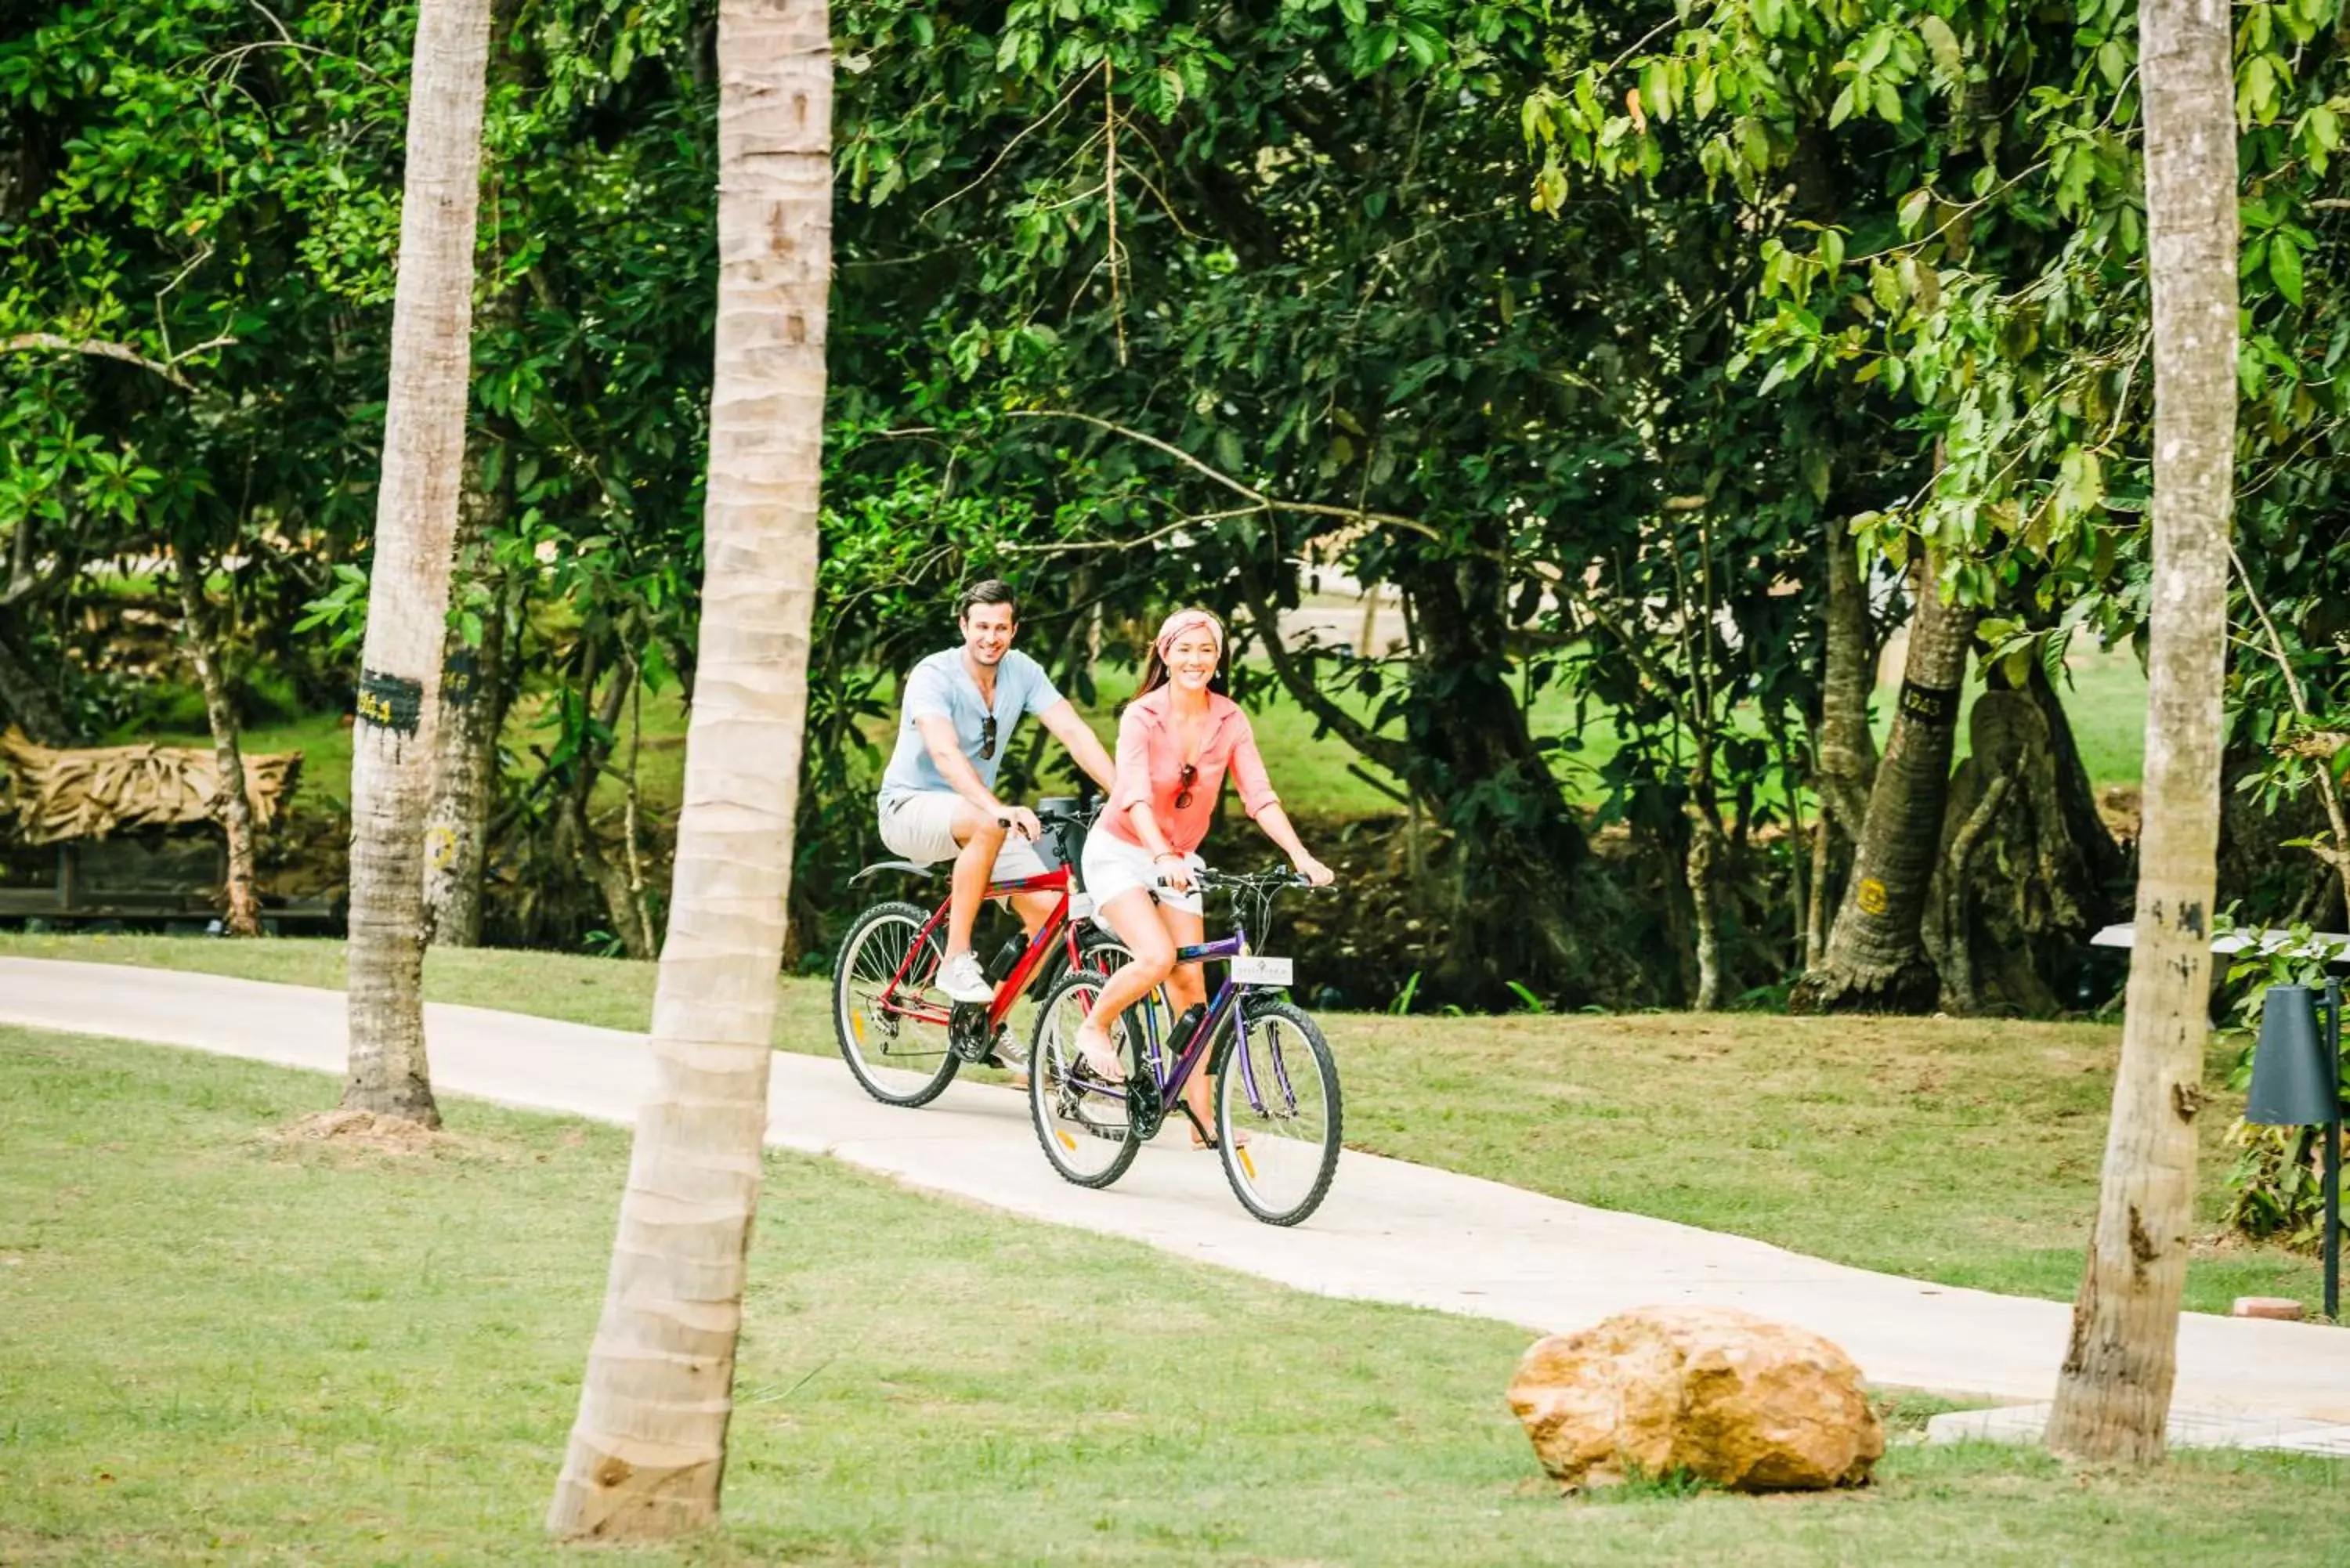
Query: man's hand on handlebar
x=1019, y=820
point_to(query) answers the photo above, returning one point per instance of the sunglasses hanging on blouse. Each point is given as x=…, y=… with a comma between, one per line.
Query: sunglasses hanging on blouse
x=1184, y=796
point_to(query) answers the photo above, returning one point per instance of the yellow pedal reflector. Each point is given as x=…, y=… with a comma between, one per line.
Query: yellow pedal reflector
x=1246, y=1163
x=1066, y=1141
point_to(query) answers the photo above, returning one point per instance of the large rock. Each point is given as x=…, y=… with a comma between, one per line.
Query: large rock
x=1748, y=1404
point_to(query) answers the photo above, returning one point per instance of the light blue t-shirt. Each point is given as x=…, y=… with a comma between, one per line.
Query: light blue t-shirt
x=941, y=687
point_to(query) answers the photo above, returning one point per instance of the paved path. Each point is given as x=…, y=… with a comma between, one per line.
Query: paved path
x=1391, y=1232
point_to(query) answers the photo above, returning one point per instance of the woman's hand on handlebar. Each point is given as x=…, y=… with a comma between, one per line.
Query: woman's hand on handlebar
x=1313, y=871
x=1174, y=871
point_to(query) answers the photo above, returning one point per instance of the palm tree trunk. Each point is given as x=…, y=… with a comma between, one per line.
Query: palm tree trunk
x=233, y=804
x=408, y=590
x=1875, y=960
x=2113, y=1397
x=649, y=1448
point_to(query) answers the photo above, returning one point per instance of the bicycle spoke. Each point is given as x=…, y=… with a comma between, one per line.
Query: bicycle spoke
x=887, y=1017
x=1278, y=1117
x=1081, y=1124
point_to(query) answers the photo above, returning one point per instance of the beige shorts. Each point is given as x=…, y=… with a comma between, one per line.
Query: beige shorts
x=921, y=828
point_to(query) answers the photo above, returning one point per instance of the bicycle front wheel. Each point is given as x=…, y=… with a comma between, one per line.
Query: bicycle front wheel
x=1278, y=1120
x=1083, y=1125
x=888, y=1014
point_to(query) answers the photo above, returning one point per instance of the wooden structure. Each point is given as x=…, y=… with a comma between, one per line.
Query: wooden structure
x=116, y=822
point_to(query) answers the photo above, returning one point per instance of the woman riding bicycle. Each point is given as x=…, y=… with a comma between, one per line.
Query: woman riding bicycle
x=1176, y=741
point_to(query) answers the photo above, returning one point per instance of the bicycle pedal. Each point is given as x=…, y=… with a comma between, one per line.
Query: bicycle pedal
x=967, y=1032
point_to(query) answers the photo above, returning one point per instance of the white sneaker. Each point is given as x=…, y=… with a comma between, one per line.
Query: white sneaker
x=963, y=979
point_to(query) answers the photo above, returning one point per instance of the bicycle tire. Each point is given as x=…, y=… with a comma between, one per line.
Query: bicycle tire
x=852, y=1025
x=1065, y=1137
x=1271, y=1020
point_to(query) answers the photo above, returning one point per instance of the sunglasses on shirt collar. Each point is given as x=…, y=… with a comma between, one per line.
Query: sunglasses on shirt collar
x=1190, y=776
x=987, y=737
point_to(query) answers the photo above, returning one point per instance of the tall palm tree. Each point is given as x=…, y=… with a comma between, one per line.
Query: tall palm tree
x=649, y=1448
x=2113, y=1394
x=408, y=589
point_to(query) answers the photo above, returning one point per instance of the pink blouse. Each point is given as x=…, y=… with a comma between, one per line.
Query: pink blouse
x=1150, y=768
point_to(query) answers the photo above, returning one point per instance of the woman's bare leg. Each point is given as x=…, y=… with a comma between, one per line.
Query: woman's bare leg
x=1135, y=917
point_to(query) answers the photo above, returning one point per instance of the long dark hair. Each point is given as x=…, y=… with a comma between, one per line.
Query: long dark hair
x=1154, y=669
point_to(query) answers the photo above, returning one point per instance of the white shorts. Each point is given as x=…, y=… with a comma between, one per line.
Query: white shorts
x=1112, y=866
x=921, y=828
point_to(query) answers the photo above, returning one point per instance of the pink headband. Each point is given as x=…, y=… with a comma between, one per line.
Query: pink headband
x=1184, y=620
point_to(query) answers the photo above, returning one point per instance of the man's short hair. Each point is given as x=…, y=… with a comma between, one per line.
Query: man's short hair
x=993, y=591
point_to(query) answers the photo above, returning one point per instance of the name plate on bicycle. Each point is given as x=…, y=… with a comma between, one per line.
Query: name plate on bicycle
x=1252, y=968
x=1081, y=906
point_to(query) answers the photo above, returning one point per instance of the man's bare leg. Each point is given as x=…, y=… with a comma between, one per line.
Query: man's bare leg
x=982, y=838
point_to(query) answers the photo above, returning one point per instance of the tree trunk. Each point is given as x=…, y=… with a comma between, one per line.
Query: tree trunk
x=1875, y=960
x=1703, y=861
x=649, y=1448
x=474, y=695
x=408, y=590
x=2076, y=790
x=2113, y=1395
x=231, y=804
x=26, y=703
x=576, y=831
x=1515, y=843
x=1846, y=746
x=2042, y=875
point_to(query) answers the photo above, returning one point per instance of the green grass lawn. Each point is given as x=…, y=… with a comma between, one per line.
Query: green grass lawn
x=1955, y=1150
x=218, y=1344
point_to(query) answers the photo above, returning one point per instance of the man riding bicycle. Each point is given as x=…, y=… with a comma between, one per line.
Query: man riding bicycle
x=938, y=796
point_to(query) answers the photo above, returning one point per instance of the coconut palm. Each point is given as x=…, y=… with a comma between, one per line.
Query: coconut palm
x=648, y=1448
x=2113, y=1394
x=408, y=588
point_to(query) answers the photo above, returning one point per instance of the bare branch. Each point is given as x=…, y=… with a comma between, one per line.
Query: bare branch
x=26, y=342
x=1039, y=124
x=1385, y=750
x=2331, y=796
x=1269, y=503
x=98, y=348
x=2322, y=746
x=1079, y=546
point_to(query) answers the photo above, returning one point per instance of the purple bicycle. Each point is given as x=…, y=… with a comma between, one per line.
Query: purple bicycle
x=1277, y=1110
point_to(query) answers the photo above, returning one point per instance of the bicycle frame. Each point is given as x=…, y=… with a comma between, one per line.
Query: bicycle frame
x=1058, y=924
x=1228, y=1005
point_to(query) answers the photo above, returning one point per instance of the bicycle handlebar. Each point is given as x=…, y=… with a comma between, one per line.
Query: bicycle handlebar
x=1273, y=879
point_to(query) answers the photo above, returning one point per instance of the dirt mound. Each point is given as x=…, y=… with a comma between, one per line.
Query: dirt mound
x=358, y=1131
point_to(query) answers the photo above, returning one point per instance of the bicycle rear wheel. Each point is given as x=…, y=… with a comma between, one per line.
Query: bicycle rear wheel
x=1084, y=1126
x=1278, y=1117
x=898, y=1060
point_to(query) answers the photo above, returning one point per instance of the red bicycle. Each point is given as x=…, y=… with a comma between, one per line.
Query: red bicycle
x=901, y=1036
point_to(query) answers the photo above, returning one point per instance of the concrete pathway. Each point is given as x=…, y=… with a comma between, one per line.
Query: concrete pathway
x=1391, y=1232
